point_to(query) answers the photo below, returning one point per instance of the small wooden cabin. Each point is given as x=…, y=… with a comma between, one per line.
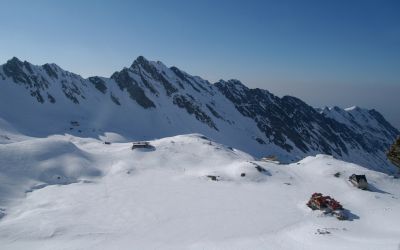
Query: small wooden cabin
x=359, y=181
x=141, y=144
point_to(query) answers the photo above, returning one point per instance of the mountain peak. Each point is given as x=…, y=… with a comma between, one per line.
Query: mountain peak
x=14, y=60
x=140, y=60
x=231, y=81
x=16, y=65
x=149, y=65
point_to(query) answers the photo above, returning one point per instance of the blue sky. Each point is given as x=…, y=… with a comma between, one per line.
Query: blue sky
x=325, y=52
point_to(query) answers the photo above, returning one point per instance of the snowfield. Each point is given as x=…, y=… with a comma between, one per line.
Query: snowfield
x=66, y=192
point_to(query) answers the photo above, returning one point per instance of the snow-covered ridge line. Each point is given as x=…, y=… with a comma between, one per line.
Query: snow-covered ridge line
x=150, y=100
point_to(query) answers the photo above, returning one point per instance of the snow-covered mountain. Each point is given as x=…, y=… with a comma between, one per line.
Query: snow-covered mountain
x=150, y=100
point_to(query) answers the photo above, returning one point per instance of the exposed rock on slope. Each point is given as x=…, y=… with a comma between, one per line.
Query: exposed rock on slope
x=394, y=153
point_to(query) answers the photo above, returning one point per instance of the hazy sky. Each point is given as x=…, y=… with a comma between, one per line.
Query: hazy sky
x=340, y=53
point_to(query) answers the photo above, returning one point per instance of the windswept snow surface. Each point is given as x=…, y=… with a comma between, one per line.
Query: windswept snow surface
x=66, y=192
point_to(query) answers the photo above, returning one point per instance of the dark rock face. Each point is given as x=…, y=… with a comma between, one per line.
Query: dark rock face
x=71, y=92
x=37, y=95
x=195, y=84
x=50, y=71
x=141, y=63
x=182, y=102
x=51, y=98
x=16, y=70
x=99, y=84
x=214, y=112
x=371, y=133
x=23, y=73
x=124, y=81
x=385, y=124
x=394, y=153
x=115, y=99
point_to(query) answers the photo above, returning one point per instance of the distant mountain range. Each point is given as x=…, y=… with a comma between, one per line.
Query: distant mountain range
x=149, y=100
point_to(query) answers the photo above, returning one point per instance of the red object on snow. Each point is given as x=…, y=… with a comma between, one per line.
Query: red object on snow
x=318, y=201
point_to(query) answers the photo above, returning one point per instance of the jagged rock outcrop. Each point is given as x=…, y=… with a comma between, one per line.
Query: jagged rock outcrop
x=394, y=153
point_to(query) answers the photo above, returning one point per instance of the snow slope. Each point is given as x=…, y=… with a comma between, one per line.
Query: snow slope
x=68, y=192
